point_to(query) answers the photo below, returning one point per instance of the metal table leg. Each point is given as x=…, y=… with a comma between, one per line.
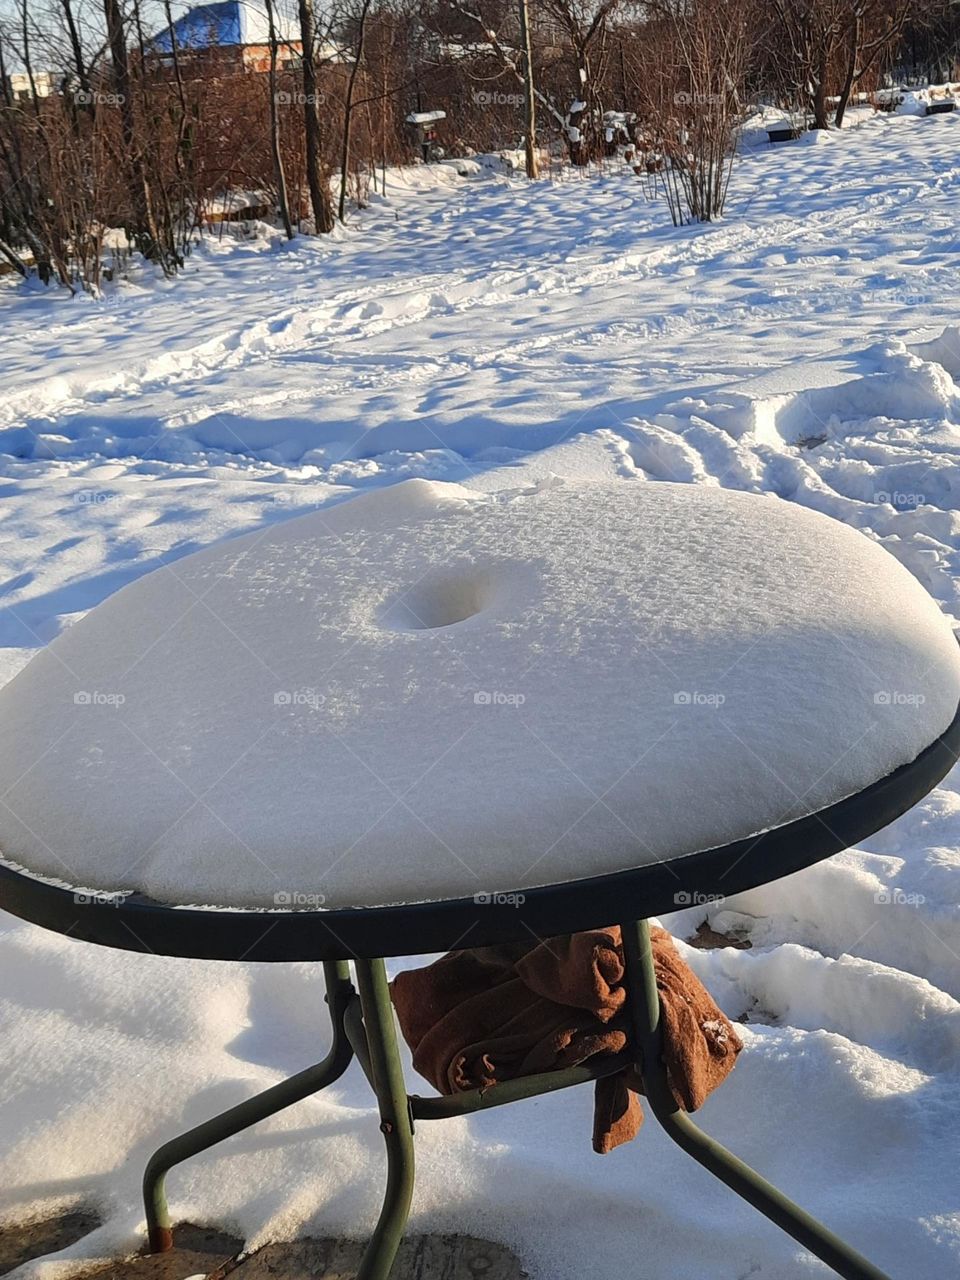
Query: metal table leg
x=374, y=1038
x=396, y=1123
x=340, y=993
x=644, y=1003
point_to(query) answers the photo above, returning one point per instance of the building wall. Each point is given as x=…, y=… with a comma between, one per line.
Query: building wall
x=19, y=83
x=256, y=57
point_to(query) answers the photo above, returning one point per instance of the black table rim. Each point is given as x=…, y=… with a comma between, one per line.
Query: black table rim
x=140, y=924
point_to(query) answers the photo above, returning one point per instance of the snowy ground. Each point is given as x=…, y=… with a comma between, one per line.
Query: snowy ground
x=490, y=333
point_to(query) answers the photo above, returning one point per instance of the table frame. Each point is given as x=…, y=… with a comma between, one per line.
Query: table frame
x=364, y=1027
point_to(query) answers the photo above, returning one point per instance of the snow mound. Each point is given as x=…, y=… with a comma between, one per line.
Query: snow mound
x=428, y=692
x=913, y=103
x=943, y=350
x=909, y=388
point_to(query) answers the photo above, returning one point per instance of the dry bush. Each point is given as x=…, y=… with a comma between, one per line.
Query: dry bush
x=690, y=104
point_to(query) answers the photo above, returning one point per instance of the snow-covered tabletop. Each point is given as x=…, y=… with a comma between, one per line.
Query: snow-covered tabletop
x=429, y=692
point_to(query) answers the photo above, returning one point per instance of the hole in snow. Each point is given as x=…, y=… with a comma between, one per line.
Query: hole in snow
x=440, y=601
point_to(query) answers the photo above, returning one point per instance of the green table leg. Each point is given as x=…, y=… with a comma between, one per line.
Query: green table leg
x=375, y=1040
x=644, y=1003
x=340, y=993
x=396, y=1123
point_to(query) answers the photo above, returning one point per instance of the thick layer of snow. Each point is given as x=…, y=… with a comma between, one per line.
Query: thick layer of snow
x=423, y=693
x=494, y=335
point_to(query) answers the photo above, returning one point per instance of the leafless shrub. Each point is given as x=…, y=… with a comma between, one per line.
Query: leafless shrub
x=691, y=104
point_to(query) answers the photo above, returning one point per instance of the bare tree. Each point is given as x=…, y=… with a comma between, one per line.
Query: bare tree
x=275, y=147
x=76, y=50
x=829, y=47
x=144, y=223
x=390, y=55
x=359, y=25
x=492, y=35
x=531, y=158
x=323, y=220
x=873, y=31
x=585, y=24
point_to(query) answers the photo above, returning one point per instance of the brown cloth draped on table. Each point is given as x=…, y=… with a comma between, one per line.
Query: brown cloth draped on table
x=476, y=1018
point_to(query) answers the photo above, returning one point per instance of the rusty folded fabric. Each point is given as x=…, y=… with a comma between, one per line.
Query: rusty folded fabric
x=476, y=1018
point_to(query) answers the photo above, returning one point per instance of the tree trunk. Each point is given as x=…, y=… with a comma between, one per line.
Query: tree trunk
x=275, y=148
x=348, y=110
x=145, y=229
x=529, y=97
x=383, y=134
x=853, y=58
x=578, y=122
x=575, y=141
x=27, y=59
x=180, y=241
x=320, y=202
x=76, y=49
x=818, y=99
x=13, y=259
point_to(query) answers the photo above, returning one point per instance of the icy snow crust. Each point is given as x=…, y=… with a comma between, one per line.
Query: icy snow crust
x=427, y=693
x=497, y=335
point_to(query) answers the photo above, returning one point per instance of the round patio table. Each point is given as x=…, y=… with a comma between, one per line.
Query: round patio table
x=432, y=718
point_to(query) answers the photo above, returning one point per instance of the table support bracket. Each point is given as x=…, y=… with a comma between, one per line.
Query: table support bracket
x=644, y=1002
x=340, y=993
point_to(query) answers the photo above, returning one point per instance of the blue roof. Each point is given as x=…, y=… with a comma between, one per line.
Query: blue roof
x=204, y=27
